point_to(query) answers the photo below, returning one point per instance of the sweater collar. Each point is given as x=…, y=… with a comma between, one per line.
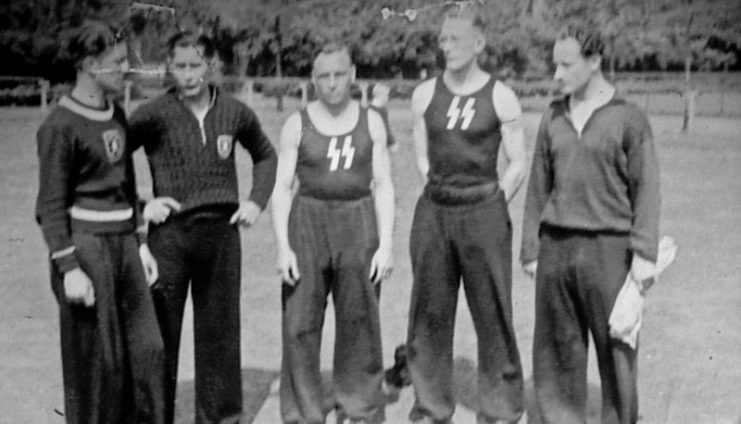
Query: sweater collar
x=88, y=112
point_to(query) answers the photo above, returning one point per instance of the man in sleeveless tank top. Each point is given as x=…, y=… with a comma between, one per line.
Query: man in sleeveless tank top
x=461, y=228
x=333, y=237
x=591, y=218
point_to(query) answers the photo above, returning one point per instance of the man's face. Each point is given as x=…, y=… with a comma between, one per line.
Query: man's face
x=189, y=67
x=573, y=70
x=108, y=69
x=333, y=73
x=461, y=42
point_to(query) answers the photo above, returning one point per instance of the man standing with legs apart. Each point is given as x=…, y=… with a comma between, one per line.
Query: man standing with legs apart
x=334, y=237
x=591, y=217
x=188, y=135
x=112, y=353
x=462, y=229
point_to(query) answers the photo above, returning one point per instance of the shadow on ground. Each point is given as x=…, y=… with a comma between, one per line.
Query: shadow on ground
x=464, y=382
x=256, y=385
x=255, y=389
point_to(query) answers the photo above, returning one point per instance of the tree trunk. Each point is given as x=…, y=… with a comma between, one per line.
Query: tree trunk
x=689, y=96
x=278, y=66
x=612, y=67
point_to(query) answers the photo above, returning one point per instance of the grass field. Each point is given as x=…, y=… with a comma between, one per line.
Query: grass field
x=690, y=358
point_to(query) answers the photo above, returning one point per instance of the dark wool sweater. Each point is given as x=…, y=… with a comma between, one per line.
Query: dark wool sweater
x=202, y=173
x=86, y=177
x=606, y=180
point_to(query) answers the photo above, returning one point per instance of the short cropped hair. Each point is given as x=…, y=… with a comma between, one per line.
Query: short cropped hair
x=471, y=12
x=588, y=36
x=334, y=46
x=91, y=39
x=187, y=38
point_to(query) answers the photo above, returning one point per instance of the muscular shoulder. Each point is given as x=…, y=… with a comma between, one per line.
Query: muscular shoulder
x=290, y=134
x=422, y=95
x=506, y=103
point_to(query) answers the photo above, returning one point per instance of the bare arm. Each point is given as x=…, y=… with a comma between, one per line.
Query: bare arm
x=281, y=199
x=513, y=139
x=381, y=265
x=420, y=100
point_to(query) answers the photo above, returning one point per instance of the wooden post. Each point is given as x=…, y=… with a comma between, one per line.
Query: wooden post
x=363, y=93
x=247, y=91
x=127, y=96
x=304, y=93
x=44, y=94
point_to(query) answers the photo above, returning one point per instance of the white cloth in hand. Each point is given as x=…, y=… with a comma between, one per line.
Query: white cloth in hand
x=627, y=313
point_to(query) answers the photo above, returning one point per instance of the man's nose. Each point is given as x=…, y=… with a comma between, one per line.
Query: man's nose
x=558, y=75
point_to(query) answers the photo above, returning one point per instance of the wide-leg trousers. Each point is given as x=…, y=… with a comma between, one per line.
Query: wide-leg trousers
x=334, y=242
x=579, y=276
x=203, y=254
x=112, y=352
x=472, y=242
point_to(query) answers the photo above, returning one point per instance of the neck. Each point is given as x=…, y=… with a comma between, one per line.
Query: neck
x=595, y=89
x=88, y=92
x=462, y=75
x=199, y=101
x=337, y=109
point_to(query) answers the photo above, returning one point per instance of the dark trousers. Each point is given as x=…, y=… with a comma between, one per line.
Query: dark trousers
x=472, y=242
x=578, y=279
x=112, y=353
x=205, y=255
x=334, y=242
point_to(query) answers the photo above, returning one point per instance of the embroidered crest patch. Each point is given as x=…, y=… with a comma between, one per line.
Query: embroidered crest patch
x=224, y=145
x=114, y=145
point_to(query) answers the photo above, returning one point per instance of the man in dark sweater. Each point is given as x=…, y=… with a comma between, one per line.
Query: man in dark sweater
x=188, y=135
x=112, y=352
x=591, y=217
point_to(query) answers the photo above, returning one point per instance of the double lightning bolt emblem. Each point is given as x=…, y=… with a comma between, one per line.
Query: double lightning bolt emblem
x=454, y=112
x=335, y=154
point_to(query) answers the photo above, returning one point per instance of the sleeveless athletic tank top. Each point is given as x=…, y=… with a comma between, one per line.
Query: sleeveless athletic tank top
x=335, y=167
x=464, y=134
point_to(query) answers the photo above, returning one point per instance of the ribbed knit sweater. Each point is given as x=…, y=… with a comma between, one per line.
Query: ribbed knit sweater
x=194, y=162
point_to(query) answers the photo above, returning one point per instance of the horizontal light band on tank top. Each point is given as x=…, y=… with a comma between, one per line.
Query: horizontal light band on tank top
x=83, y=214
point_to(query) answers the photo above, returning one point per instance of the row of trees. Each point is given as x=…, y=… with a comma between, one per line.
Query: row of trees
x=279, y=37
x=269, y=37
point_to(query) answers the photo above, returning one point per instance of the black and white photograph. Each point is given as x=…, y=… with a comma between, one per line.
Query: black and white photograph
x=370, y=211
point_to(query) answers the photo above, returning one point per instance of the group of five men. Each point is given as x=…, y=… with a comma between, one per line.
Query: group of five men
x=591, y=217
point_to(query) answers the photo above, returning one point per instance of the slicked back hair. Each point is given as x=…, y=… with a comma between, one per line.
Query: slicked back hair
x=91, y=39
x=187, y=38
x=587, y=35
x=471, y=12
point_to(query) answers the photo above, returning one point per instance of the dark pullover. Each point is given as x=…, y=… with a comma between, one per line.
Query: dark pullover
x=202, y=174
x=606, y=180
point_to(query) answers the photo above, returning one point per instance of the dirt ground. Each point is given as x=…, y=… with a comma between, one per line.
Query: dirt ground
x=690, y=356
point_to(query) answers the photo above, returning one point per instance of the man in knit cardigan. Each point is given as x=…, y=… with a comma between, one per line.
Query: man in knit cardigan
x=189, y=135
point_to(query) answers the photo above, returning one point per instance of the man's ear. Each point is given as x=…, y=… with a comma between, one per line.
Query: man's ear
x=353, y=72
x=480, y=43
x=88, y=64
x=595, y=62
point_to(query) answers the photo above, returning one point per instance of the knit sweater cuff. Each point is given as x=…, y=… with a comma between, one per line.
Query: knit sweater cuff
x=66, y=263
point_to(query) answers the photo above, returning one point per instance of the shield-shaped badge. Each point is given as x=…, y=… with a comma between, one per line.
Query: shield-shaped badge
x=224, y=145
x=114, y=145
